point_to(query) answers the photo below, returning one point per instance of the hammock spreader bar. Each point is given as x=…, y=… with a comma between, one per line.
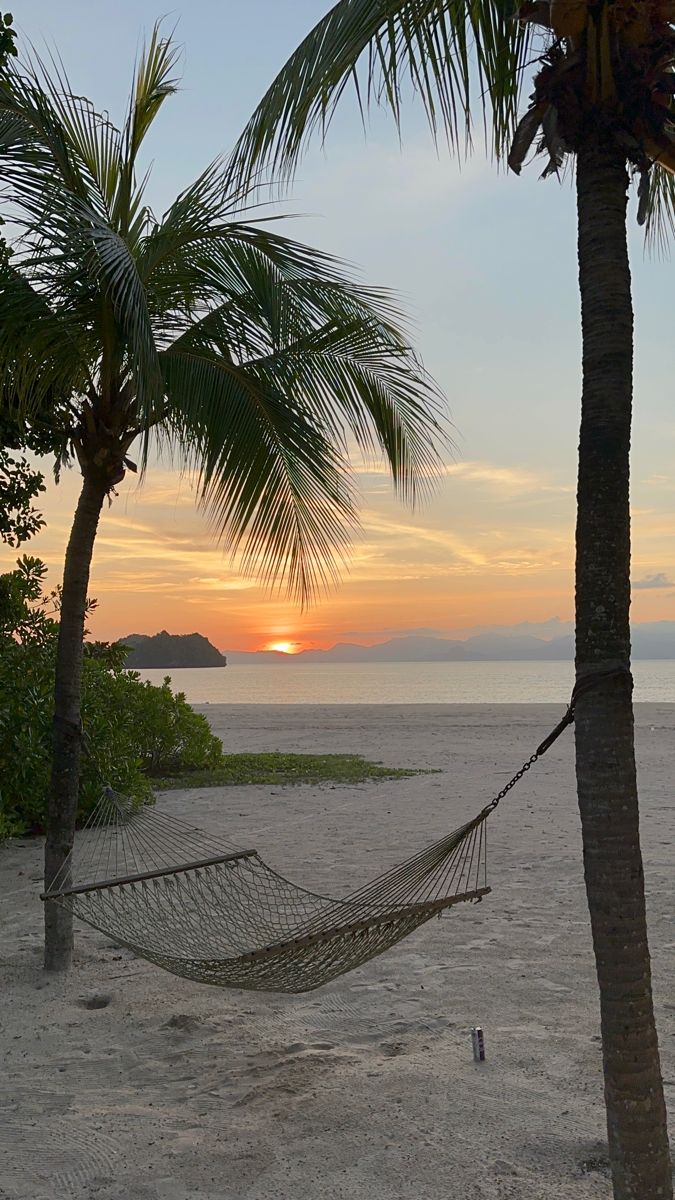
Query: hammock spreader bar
x=144, y=875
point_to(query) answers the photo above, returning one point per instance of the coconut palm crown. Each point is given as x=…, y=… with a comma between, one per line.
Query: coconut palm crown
x=601, y=78
x=252, y=359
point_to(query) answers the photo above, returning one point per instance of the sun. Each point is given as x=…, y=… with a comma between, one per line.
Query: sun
x=282, y=647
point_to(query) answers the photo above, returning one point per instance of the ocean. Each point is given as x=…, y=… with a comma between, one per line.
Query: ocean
x=402, y=683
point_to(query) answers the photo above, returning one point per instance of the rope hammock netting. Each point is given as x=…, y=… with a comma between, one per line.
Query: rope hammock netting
x=206, y=910
x=215, y=913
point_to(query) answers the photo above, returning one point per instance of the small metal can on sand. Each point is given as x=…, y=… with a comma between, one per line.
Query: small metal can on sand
x=478, y=1043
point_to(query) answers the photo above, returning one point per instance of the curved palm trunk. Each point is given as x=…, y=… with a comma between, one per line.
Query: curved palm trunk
x=66, y=745
x=606, y=777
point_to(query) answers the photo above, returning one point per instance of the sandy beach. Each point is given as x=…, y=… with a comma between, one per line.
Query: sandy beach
x=367, y=1088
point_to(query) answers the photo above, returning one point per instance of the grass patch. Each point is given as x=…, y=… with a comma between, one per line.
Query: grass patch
x=284, y=769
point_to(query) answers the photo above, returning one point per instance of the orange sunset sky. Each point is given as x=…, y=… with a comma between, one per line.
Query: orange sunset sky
x=485, y=265
x=493, y=547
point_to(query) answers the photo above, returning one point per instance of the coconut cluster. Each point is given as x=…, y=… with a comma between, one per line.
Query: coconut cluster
x=610, y=65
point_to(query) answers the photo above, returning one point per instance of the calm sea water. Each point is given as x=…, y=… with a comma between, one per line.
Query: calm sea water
x=401, y=683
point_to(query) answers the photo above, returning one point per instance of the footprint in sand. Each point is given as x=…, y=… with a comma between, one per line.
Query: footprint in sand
x=183, y=1022
x=294, y=1074
x=393, y=1049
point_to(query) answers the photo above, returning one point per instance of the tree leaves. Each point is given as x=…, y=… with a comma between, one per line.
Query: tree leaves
x=252, y=358
x=462, y=59
x=657, y=209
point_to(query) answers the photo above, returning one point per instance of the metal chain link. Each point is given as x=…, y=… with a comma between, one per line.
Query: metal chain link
x=591, y=680
x=512, y=782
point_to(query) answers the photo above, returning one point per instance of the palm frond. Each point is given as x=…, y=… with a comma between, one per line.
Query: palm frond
x=51, y=139
x=300, y=363
x=660, y=210
x=154, y=82
x=273, y=484
x=79, y=264
x=91, y=137
x=173, y=247
x=114, y=268
x=42, y=351
x=290, y=313
x=464, y=59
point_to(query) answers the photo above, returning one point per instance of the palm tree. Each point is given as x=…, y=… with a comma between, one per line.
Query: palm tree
x=603, y=98
x=249, y=356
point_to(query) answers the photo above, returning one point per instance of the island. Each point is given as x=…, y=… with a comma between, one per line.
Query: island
x=168, y=651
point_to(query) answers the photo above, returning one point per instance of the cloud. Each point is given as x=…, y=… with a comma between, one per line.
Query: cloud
x=405, y=533
x=508, y=480
x=666, y=482
x=393, y=632
x=549, y=628
x=659, y=580
x=502, y=477
x=414, y=181
x=218, y=584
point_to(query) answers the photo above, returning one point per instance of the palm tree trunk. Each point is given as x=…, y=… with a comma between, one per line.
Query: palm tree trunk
x=67, y=739
x=606, y=776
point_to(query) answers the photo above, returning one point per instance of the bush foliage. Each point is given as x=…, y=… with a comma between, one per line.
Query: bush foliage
x=134, y=730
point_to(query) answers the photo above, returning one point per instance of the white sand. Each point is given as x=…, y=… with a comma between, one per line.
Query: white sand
x=366, y=1089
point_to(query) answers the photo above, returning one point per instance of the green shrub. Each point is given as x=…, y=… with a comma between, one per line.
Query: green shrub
x=133, y=729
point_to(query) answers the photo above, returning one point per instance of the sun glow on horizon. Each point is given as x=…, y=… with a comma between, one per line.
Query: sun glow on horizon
x=282, y=647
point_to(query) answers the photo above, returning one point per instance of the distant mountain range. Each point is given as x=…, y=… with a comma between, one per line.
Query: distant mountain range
x=167, y=651
x=650, y=640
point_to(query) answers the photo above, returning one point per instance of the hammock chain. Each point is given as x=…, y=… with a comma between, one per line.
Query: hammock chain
x=584, y=684
x=512, y=783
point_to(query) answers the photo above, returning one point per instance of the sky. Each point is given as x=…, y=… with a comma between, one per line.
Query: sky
x=485, y=266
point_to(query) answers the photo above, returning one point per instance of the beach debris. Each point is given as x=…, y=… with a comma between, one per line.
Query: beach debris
x=478, y=1044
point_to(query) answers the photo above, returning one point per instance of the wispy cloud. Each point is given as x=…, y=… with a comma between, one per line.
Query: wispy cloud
x=511, y=481
x=659, y=580
x=419, y=181
x=420, y=631
x=408, y=534
x=664, y=482
x=219, y=584
x=167, y=491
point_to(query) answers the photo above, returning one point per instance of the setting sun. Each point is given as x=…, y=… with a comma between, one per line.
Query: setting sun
x=282, y=647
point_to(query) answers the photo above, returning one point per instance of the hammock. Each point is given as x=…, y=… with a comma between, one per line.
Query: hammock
x=216, y=913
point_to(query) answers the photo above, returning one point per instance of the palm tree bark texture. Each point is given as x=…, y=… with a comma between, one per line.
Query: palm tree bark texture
x=606, y=773
x=67, y=721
